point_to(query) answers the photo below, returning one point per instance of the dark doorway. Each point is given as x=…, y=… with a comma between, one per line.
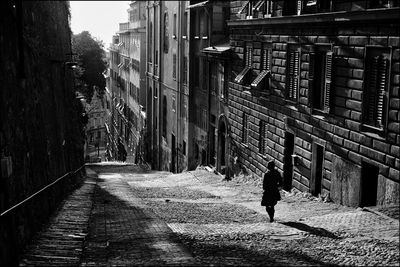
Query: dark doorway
x=203, y=157
x=369, y=184
x=212, y=146
x=288, y=165
x=317, y=169
x=221, y=145
x=173, y=153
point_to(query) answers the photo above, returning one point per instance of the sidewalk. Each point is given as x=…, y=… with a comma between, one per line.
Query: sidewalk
x=60, y=243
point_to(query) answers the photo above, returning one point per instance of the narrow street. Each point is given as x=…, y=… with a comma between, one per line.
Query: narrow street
x=124, y=215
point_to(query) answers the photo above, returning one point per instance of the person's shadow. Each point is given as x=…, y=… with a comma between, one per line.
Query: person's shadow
x=312, y=230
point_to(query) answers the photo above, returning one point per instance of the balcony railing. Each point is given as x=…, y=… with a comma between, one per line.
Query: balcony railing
x=124, y=26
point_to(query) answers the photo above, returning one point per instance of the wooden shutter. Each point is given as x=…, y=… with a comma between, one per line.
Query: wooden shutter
x=328, y=81
x=294, y=59
x=371, y=91
x=249, y=56
x=381, y=89
x=311, y=74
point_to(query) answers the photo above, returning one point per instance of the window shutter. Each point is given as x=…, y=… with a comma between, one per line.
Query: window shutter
x=249, y=56
x=381, y=88
x=328, y=81
x=311, y=73
x=294, y=74
x=371, y=93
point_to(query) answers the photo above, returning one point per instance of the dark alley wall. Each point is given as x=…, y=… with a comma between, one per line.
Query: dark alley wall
x=41, y=131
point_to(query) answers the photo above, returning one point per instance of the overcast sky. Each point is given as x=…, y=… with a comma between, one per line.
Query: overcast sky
x=100, y=18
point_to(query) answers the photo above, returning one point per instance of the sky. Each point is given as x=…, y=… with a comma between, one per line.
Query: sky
x=100, y=18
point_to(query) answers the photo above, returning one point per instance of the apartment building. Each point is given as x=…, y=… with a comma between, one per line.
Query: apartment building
x=315, y=87
x=167, y=84
x=126, y=86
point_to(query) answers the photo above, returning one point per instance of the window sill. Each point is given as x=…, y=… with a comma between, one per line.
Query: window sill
x=196, y=37
x=291, y=105
x=372, y=131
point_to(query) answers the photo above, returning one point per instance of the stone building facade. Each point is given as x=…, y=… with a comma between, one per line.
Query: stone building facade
x=125, y=86
x=315, y=87
x=167, y=84
x=41, y=134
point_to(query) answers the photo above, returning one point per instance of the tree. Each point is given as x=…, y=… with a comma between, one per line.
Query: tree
x=89, y=73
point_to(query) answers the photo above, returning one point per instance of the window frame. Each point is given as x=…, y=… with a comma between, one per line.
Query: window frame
x=365, y=126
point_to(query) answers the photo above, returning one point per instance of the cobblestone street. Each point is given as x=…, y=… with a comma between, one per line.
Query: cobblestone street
x=123, y=215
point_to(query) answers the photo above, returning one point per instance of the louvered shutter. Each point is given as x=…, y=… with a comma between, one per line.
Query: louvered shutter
x=381, y=89
x=371, y=93
x=295, y=58
x=289, y=72
x=311, y=73
x=328, y=81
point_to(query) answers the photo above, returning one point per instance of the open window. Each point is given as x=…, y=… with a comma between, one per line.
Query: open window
x=246, y=11
x=244, y=76
x=263, y=78
x=375, y=94
x=262, y=9
x=320, y=78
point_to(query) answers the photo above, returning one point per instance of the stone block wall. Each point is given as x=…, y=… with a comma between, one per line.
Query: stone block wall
x=41, y=136
x=340, y=132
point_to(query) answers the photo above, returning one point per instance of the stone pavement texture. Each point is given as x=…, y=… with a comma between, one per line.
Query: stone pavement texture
x=124, y=216
x=61, y=242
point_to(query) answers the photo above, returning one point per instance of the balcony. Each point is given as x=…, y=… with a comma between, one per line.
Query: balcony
x=123, y=27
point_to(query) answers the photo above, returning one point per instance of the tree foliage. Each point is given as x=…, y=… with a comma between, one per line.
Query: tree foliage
x=92, y=64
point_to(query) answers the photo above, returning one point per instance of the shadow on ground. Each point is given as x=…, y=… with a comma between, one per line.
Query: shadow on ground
x=312, y=230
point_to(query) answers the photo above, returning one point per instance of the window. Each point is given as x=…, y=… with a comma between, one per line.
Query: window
x=173, y=103
x=214, y=79
x=196, y=78
x=293, y=72
x=245, y=129
x=175, y=23
x=320, y=79
x=376, y=81
x=204, y=24
x=384, y=3
x=204, y=73
x=166, y=33
x=262, y=80
x=243, y=76
x=246, y=11
x=262, y=143
x=164, y=126
x=185, y=70
x=150, y=42
x=291, y=7
x=314, y=6
x=221, y=79
x=184, y=26
x=262, y=9
x=174, y=66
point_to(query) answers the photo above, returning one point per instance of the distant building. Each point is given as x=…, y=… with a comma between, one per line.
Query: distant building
x=126, y=85
x=96, y=134
x=315, y=87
